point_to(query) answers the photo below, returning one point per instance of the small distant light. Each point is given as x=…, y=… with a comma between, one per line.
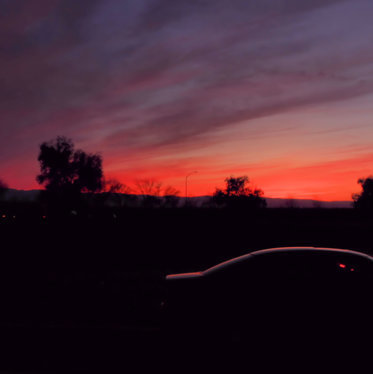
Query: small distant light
x=44, y=217
x=352, y=269
x=343, y=266
x=14, y=217
x=3, y=216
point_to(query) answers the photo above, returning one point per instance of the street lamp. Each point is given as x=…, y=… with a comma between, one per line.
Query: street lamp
x=186, y=186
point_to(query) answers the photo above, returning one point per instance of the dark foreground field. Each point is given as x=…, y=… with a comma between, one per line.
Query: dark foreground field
x=86, y=295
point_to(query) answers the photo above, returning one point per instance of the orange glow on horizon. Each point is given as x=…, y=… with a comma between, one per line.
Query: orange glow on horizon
x=272, y=186
x=292, y=112
x=323, y=181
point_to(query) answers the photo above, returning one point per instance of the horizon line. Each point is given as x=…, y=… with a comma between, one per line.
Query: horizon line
x=205, y=195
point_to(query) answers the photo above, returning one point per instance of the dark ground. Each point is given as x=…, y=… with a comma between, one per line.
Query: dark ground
x=86, y=295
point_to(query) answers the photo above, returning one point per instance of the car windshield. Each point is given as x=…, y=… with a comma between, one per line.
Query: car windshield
x=298, y=264
x=231, y=264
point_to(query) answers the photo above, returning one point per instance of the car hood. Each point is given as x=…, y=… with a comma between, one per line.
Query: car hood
x=194, y=275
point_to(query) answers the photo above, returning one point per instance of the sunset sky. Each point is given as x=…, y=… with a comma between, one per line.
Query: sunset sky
x=279, y=90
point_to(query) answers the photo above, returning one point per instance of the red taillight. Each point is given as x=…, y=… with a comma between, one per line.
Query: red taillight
x=343, y=266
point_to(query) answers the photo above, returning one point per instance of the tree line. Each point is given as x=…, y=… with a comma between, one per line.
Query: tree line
x=67, y=174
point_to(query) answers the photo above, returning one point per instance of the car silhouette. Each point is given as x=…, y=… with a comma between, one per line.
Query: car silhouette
x=310, y=297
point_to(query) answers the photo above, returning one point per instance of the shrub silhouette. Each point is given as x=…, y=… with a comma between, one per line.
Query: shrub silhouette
x=238, y=194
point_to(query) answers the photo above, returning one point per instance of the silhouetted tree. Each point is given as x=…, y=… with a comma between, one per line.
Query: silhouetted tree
x=66, y=172
x=89, y=174
x=238, y=194
x=364, y=200
x=170, y=197
x=3, y=188
x=118, y=194
x=154, y=195
x=114, y=186
x=150, y=192
x=64, y=169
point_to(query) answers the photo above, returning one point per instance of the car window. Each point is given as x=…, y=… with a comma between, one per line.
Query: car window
x=297, y=266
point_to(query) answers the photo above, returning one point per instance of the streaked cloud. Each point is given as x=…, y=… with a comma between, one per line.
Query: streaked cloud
x=156, y=83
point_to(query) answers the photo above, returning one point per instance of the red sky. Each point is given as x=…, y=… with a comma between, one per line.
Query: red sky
x=278, y=91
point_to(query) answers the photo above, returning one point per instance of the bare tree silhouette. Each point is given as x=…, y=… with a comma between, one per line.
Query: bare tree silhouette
x=114, y=186
x=238, y=194
x=170, y=197
x=118, y=194
x=150, y=192
x=154, y=195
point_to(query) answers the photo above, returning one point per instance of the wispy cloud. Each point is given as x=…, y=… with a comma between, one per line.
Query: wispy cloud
x=157, y=77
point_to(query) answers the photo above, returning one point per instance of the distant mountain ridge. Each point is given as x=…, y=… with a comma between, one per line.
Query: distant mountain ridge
x=21, y=195
x=286, y=203
x=32, y=195
x=306, y=203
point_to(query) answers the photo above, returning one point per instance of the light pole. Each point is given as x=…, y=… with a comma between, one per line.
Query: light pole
x=186, y=186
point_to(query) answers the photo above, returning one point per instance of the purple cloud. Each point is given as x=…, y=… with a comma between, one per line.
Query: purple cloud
x=134, y=76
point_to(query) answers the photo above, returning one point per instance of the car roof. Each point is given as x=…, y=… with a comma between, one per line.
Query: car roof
x=270, y=251
x=310, y=250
